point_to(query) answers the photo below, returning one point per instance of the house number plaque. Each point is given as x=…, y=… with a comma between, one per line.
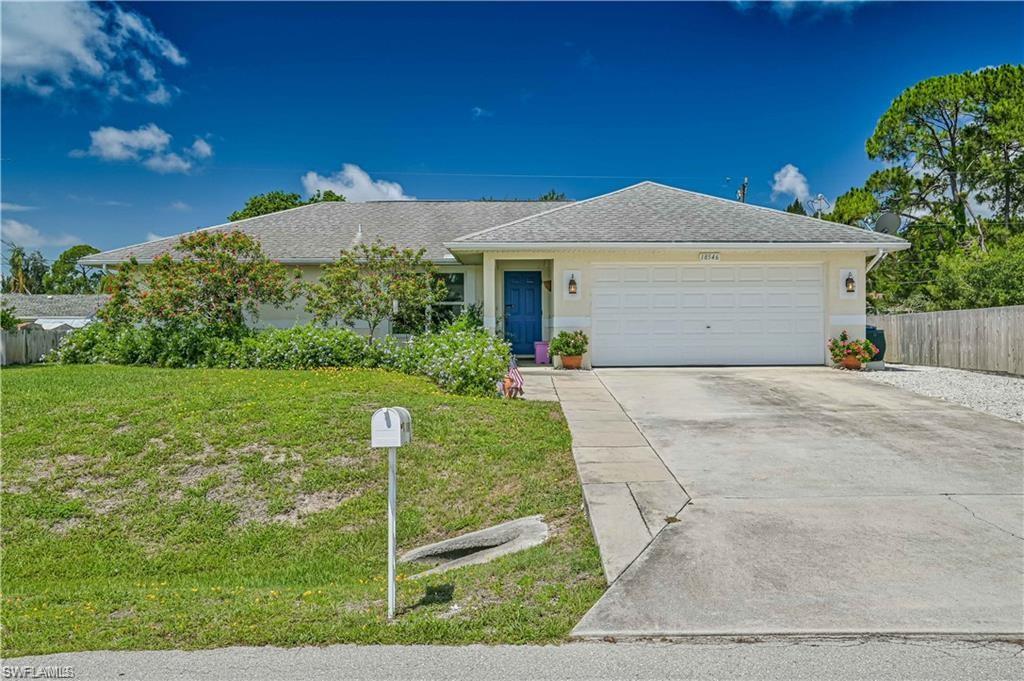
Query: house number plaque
x=710, y=256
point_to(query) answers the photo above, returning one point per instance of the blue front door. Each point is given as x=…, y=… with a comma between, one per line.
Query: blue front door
x=522, y=310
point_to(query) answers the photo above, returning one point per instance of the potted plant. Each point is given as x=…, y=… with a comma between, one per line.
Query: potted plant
x=850, y=354
x=570, y=346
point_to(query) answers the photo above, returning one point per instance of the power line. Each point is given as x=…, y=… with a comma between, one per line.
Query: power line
x=418, y=173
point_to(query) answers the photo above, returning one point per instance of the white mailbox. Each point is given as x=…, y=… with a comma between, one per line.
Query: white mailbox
x=390, y=427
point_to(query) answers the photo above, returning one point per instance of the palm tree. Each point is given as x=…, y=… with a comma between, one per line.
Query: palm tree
x=16, y=281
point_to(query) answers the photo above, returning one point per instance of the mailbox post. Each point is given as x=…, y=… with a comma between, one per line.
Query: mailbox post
x=391, y=427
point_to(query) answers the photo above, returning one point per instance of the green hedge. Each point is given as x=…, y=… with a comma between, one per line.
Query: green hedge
x=460, y=359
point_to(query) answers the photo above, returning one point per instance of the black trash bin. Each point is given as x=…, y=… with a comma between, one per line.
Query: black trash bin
x=876, y=336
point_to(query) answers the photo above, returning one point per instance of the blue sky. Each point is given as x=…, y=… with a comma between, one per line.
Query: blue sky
x=125, y=121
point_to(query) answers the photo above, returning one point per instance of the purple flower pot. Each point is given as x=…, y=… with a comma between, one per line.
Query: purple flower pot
x=540, y=352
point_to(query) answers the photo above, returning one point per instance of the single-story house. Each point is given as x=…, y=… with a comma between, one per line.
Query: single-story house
x=655, y=275
x=54, y=311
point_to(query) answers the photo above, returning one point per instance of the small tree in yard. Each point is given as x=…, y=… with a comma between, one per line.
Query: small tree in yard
x=8, y=318
x=218, y=278
x=364, y=282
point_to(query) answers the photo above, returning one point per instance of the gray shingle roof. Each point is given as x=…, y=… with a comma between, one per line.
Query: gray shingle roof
x=317, y=232
x=54, y=306
x=651, y=212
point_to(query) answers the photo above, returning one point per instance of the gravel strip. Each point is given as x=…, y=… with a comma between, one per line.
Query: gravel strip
x=995, y=394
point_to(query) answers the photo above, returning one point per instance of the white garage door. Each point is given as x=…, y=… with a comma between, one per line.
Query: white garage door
x=707, y=314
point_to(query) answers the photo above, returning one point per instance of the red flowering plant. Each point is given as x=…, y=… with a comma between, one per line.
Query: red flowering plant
x=861, y=349
x=211, y=279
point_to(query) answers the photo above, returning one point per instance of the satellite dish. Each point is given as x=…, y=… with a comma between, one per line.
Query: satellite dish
x=887, y=223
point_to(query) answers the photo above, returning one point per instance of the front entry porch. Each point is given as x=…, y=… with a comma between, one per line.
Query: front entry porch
x=522, y=307
x=517, y=301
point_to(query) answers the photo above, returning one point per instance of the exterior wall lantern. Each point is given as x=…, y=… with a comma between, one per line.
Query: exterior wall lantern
x=848, y=284
x=571, y=284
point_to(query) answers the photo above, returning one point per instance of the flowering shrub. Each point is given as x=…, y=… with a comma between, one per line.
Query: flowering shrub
x=213, y=279
x=173, y=345
x=464, y=361
x=368, y=279
x=302, y=347
x=862, y=350
x=460, y=360
x=88, y=345
x=569, y=344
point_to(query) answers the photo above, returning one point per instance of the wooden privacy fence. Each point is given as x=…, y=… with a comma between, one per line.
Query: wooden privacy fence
x=984, y=339
x=28, y=346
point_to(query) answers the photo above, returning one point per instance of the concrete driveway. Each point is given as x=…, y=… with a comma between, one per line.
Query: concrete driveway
x=821, y=503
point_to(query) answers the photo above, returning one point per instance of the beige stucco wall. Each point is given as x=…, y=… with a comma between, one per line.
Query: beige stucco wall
x=571, y=314
x=293, y=314
x=485, y=284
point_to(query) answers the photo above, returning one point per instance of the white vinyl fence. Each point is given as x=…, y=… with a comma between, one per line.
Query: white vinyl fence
x=983, y=339
x=28, y=346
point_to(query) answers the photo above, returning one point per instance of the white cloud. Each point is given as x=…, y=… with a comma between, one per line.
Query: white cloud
x=789, y=180
x=147, y=145
x=812, y=9
x=480, y=112
x=355, y=184
x=130, y=24
x=979, y=209
x=15, y=207
x=98, y=202
x=152, y=236
x=160, y=95
x=21, y=234
x=180, y=206
x=115, y=144
x=49, y=46
x=200, y=148
x=167, y=163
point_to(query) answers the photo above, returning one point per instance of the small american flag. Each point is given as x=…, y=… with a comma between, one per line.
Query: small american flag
x=516, y=387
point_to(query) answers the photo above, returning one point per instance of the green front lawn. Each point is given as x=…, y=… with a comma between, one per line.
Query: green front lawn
x=174, y=508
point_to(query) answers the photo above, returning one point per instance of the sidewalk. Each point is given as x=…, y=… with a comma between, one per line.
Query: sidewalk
x=629, y=493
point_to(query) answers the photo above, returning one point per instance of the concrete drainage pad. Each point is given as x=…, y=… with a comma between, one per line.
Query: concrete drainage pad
x=481, y=546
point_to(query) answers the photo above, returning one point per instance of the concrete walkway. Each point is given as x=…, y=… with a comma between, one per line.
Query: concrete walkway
x=629, y=492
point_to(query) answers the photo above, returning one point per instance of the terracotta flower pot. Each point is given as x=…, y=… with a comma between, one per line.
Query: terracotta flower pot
x=571, y=362
x=850, y=362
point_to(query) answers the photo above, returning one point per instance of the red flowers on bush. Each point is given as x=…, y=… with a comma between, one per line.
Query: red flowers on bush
x=862, y=349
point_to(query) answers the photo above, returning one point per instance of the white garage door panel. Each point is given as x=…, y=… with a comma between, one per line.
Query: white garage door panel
x=707, y=314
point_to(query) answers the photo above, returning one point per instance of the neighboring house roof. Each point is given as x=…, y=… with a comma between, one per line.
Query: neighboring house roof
x=654, y=213
x=56, y=306
x=319, y=231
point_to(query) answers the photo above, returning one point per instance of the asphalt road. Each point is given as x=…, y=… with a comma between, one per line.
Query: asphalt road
x=779, y=658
